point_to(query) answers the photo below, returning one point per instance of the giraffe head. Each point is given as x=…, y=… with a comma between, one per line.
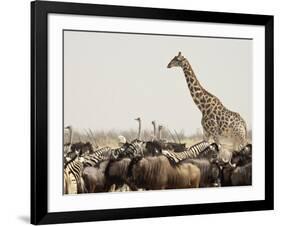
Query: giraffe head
x=176, y=61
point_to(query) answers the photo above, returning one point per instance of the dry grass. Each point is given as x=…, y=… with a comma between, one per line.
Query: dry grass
x=110, y=138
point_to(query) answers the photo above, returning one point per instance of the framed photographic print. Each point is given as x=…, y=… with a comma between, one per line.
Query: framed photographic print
x=144, y=112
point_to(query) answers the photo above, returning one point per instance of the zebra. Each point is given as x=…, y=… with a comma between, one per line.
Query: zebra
x=97, y=156
x=200, y=150
x=72, y=176
x=131, y=150
x=66, y=183
x=103, y=154
x=140, y=149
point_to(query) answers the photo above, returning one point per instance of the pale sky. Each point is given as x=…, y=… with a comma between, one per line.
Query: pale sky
x=110, y=79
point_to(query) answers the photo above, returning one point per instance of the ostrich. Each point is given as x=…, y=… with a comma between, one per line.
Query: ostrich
x=177, y=147
x=70, y=129
x=154, y=130
x=160, y=127
x=139, y=131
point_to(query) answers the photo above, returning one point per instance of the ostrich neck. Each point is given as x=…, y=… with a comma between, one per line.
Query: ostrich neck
x=159, y=134
x=196, y=90
x=139, y=132
x=70, y=135
x=154, y=130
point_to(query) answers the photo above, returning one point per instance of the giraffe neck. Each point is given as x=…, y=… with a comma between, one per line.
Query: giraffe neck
x=197, y=92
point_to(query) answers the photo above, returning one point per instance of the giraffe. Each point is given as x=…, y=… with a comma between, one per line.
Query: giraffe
x=218, y=122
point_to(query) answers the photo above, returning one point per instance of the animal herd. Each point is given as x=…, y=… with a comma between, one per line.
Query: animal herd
x=157, y=164
x=151, y=165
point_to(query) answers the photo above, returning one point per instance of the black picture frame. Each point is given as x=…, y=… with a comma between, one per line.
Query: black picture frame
x=39, y=111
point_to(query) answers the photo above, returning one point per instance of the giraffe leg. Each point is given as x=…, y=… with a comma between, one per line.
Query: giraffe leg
x=215, y=134
x=206, y=133
x=211, y=130
x=224, y=154
x=206, y=136
x=240, y=135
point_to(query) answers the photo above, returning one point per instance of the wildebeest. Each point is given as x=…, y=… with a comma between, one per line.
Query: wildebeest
x=105, y=168
x=242, y=175
x=242, y=157
x=240, y=172
x=154, y=173
x=94, y=177
x=209, y=171
x=116, y=173
x=107, y=176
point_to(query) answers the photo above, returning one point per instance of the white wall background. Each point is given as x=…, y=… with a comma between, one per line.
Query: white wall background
x=15, y=113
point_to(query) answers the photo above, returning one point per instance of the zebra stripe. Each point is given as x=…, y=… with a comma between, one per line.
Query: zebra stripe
x=131, y=150
x=97, y=156
x=103, y=154
x=66, y=182
x=193, y=151
x=74, y=168
x=127, y=150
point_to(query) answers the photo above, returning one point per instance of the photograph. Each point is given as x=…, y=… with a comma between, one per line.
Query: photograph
x=146, y=112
